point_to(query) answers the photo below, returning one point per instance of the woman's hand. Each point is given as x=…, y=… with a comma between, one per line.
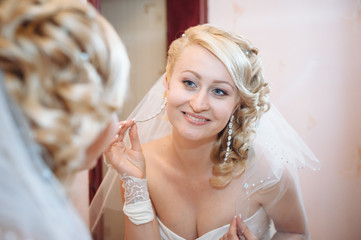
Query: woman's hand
x=238, y=230
x=123, y=159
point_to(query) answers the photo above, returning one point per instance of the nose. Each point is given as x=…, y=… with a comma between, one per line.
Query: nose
x=200, y=102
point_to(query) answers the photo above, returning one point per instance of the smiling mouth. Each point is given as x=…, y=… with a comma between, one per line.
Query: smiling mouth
x=195, y=118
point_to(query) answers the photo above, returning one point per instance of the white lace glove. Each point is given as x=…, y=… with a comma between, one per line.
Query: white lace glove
x=136, y=189
x=137, y=205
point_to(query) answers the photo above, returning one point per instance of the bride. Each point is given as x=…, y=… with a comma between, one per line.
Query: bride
x=220, y=163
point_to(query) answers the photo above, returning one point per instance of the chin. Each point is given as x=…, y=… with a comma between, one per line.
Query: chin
x=192, y=135
x=90, y=163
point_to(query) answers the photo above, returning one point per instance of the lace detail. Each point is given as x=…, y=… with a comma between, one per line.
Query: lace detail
x=135, y=189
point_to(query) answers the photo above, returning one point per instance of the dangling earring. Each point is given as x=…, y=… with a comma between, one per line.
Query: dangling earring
x=230, y=131
x=155, y=114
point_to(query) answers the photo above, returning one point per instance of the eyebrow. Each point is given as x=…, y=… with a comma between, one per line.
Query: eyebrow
x=199, y=77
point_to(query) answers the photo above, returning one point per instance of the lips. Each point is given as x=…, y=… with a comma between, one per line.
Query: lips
x=196, y=118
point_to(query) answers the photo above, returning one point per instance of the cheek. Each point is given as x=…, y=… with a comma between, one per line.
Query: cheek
x=223, y=117
x=176, y=97
x=101, y=143
x=222, y=114
x=108, y=135
x=223, y=109
x=172, y=108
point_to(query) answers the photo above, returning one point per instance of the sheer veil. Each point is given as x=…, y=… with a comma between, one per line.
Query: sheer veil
x=275, y=138
x=34, y=205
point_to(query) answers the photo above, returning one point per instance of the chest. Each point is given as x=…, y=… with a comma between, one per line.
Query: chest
x=192, y=208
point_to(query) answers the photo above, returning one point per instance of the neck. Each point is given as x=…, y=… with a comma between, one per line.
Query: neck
x=192, y=157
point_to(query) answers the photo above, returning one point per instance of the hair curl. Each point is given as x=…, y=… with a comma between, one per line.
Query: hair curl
x=244, y=66
x=67, y=69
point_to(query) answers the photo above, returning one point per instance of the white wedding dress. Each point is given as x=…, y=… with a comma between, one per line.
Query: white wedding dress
x=258, y=223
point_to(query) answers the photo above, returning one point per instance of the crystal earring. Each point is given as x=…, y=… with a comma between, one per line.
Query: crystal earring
x=230, y=125
x=155, y=114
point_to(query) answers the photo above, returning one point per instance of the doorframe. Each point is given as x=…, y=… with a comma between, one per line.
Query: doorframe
x=184, y=14
x=95, y=3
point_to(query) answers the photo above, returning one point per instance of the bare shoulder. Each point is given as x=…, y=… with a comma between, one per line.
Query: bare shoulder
x=156, y=155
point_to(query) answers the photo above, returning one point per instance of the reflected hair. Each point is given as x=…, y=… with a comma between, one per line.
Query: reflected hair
x=244, y=65
x=66, y=68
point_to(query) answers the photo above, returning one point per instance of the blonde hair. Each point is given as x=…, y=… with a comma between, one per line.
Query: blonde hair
x=244, y=66
x=67, y=69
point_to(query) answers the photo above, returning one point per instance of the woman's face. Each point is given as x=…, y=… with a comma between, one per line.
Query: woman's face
x=201, y=95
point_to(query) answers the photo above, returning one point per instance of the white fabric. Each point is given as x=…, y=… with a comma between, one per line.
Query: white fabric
x=34, y=205
x=277, y=147
x=140, y=212
x=137, y=205
x=135, y=189
x=258, y=223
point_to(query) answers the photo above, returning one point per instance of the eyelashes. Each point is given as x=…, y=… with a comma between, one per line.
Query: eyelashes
x=220, y=92
x=217, y=91
x=189, y=84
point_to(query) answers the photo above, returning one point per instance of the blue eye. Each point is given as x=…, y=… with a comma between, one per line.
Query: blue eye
x=220, y=92
x=189, y=83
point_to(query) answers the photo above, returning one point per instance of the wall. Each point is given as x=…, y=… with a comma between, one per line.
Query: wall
x=312, y=56
x=142, y=26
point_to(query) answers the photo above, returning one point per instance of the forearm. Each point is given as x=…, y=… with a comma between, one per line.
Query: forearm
x=140, y=221
x=147, y=231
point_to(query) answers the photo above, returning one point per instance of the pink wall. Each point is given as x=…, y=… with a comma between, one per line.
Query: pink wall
x=312, y=56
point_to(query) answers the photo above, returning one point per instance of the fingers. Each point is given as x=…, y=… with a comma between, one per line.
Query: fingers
x=123, y=128
x=244, y=230
x=227, y=237
x=134, y=138
x=133, y=134
x=224, y=237
x=107, y=150
x=115, y=139
x=232, y=231
x=233, y=226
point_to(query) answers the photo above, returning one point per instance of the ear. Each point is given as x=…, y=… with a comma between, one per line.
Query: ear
x=238, y=105
x=166, y=82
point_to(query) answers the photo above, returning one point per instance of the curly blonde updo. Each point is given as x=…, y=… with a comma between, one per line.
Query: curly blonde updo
x=66, y=68
x=244, y=66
